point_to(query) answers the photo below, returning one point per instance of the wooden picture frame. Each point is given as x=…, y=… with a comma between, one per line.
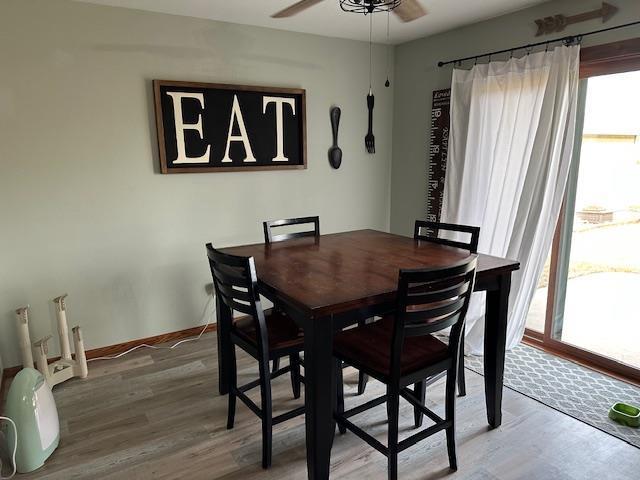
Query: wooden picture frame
x=240, y=127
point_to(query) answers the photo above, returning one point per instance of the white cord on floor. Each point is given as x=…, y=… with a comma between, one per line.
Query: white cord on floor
x=144, y=345
x=15, y=449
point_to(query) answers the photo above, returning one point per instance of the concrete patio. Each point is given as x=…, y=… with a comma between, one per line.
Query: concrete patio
x=601, y=314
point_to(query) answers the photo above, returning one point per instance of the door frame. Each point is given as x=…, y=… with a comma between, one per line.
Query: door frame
x=610, y=58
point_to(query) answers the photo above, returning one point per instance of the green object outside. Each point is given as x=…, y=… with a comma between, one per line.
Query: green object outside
x=31, y=406
x=625, y=414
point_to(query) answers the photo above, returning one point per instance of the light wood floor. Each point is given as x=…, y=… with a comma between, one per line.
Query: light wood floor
x=156, y=415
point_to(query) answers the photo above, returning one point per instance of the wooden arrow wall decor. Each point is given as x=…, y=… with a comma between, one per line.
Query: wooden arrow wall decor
x=558, y=23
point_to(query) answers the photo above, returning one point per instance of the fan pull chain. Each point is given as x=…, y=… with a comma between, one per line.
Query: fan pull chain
x=370, y=52
x=387, y=83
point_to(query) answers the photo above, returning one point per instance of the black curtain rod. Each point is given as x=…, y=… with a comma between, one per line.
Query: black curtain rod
x=568, y=40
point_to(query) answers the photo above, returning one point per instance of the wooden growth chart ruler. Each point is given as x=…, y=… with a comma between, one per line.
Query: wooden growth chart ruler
x=438, y=151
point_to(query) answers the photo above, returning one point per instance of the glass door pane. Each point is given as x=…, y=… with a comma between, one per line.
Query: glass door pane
x=597, y=304
x=538, y=308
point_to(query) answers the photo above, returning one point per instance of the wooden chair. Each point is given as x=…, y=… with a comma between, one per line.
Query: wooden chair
x=270, y=237
x=265, y=335
x=432, y=229
x=400, y=350
x=270, y=225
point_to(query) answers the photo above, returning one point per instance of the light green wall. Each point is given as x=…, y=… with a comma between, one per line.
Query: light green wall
x=82, y=206
x=417, y=75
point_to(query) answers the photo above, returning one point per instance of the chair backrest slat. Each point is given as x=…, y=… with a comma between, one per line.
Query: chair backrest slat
x=233, y=304
x=444, y=293
x=427, y=314
x=236, y=286
x=229, y=278
x=417, y=330
x=433, y=229
x=270, y=237
x=230, y=291
x=430, y=300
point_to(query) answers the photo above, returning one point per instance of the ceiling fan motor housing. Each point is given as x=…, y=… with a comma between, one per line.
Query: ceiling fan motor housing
x=368, y=6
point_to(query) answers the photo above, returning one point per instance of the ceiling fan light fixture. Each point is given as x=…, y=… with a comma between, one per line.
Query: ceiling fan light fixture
x=368, y=6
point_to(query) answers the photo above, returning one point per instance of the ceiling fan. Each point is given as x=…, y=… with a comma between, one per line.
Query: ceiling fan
x=406, y=10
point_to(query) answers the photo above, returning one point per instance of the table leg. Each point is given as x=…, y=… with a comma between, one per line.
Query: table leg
x=320, y=396
x=495, y=334
x=223, y=318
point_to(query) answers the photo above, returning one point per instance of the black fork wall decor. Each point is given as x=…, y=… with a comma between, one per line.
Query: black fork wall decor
x=369, y=139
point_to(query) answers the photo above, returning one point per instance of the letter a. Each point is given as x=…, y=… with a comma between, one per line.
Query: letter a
x=236, y=114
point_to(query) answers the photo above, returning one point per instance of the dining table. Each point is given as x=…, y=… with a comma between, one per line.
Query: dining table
x=329, y=282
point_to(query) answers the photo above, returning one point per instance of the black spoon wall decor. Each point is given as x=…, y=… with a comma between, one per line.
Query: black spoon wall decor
x=335, y=153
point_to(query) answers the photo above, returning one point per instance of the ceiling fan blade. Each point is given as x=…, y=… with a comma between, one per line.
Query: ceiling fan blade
x=409, y=10
x=295, y=8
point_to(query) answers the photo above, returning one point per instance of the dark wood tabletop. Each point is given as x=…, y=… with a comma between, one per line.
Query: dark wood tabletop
x=342, y=271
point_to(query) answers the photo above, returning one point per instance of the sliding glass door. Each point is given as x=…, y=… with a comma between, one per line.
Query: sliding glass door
x=598, y=293
x=587, y=304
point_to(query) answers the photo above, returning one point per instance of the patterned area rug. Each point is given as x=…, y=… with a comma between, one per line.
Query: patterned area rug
x=567, y=387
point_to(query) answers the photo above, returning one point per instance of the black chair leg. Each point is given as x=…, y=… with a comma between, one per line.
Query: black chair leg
x=294, y=361
x=233, y=385
x=276, y=365
x=420, y=391
x=462, y=385
x=363, y=378
x=340, y=392
x=393, y=406
x=450, y=411
x=267, y=423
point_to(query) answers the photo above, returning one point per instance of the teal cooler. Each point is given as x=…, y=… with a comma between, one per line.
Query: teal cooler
x=30, y=404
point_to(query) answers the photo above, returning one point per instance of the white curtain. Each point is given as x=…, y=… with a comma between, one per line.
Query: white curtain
x=512, y=133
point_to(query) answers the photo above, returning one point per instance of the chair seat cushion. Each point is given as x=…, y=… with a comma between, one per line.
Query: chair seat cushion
x=370, y=346
x=282, y=331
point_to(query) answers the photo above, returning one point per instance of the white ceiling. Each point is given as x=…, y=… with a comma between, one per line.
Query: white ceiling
x=328, y=19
